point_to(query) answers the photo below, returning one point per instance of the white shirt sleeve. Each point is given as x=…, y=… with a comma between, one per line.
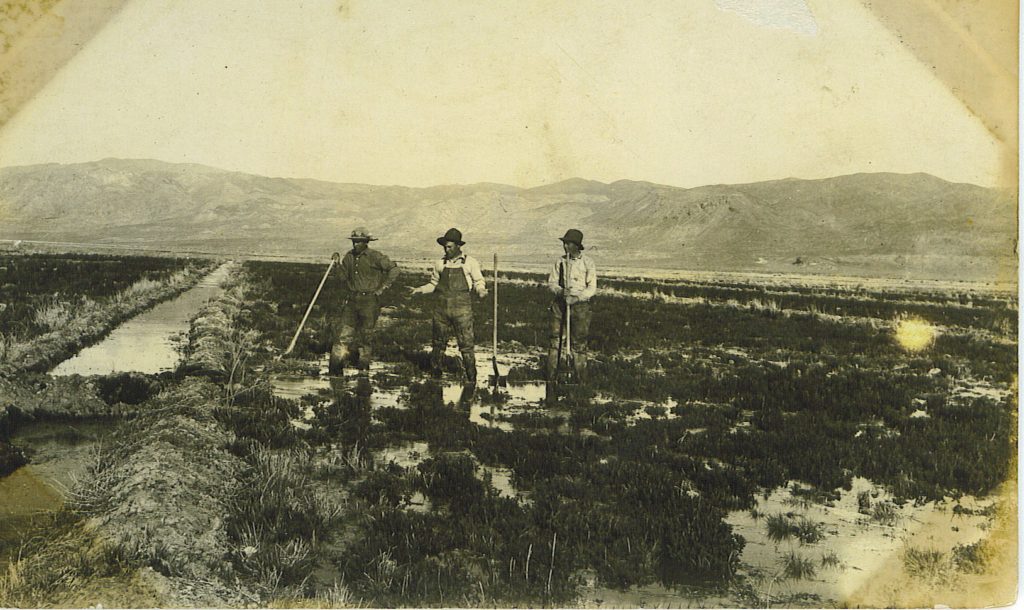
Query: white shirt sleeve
x=590, y=289
x=476, y=277
x=435, y=277
x=553, y=278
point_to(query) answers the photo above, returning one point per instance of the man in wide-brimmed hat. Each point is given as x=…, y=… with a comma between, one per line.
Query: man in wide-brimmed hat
x=365, y=274
x=452, y=279
x=573, y=280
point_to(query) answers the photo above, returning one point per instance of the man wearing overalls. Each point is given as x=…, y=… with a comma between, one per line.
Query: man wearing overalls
x=573, y=281
x=365, y=273
x=452, y=278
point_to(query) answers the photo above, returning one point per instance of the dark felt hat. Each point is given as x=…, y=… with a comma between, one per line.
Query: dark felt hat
x=453, y=235
x=575, y=236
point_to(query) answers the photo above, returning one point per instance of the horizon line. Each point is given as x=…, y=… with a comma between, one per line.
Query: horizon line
x=500, y=184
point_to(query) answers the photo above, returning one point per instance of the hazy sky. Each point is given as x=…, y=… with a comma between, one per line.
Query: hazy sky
x=525, y=93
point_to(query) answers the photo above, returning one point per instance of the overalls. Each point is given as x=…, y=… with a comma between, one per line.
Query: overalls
x=455, y=310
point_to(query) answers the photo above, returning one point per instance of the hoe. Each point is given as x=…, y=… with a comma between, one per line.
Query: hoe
x=496, y=379
x=295, y=338
x=566, y=359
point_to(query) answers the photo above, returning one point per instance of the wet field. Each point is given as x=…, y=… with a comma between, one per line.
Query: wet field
x=849, y=535
x=724, y=456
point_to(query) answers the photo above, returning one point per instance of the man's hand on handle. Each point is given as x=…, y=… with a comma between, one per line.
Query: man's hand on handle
x=336, y=258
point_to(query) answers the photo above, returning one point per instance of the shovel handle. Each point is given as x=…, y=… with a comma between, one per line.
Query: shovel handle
x=495, y=346
x=309, y=309
x=498, y=381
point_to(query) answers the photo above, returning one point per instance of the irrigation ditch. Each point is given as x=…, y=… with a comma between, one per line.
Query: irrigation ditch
x=742, y=458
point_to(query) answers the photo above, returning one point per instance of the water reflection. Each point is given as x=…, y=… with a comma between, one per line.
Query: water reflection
x=503, y=408
x=487, y=416
x=406, y=455
x=294, y=387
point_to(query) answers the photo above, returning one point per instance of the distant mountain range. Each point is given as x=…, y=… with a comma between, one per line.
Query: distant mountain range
x=880, y=225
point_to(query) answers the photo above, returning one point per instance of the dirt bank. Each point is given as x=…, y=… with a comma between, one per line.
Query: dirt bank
x=147, y=525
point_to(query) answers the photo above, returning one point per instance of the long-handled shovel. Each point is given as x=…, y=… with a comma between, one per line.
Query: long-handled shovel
x=565, y=369
x=291, y=345
x=497, y=379
x=570, y=358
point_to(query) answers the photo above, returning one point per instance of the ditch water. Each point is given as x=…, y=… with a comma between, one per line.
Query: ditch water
x=148, y=343
x=60, y=454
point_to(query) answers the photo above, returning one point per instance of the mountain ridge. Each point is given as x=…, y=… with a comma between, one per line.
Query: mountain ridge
x=878, y=224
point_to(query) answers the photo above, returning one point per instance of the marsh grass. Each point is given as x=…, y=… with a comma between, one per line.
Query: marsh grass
x=62, y=555
x=798, y=567
x=278, y=516
x=8, y=345
x=643, y=501
x=336, y=595
x=830, y=561
x=928, y=565
x=141, y=287
x=885, y=513
x=782, y=527
x=779, y=527
x=972, y=558
x=54, y=314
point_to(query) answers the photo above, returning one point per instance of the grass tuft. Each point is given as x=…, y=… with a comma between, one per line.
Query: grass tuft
x=797, y=567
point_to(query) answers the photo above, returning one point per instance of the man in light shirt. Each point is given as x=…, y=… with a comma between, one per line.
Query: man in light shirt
x=573, y=281
x=452, y=279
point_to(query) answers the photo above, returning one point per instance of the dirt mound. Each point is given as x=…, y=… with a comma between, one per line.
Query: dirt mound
x=163, y=492
x=218, y=344
x=41, y=396
x=155, y=500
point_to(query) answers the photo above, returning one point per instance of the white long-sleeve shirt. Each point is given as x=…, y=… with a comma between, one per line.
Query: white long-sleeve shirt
x=580, y=275
x=469, y=266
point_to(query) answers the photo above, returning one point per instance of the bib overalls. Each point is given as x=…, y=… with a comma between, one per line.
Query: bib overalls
x=454, y=311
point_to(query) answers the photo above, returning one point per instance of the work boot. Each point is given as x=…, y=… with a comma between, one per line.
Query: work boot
x=469, y=363
x=467, y=395
x=336, y=363
x=365, y=355
x=339, y=388
x=436, y=356
x=550, y=393
x=581, y=366
x=552, y=364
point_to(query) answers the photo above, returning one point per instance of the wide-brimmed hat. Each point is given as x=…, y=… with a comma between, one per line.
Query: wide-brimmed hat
x=575, y=236
x=453, y=235
x=361, y=234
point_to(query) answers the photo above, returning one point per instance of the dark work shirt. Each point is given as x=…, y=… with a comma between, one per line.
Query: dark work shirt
x=367, y=272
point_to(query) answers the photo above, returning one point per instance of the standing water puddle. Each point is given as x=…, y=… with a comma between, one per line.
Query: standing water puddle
x=148, y=343
x=857, y=544
x=486, y=407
